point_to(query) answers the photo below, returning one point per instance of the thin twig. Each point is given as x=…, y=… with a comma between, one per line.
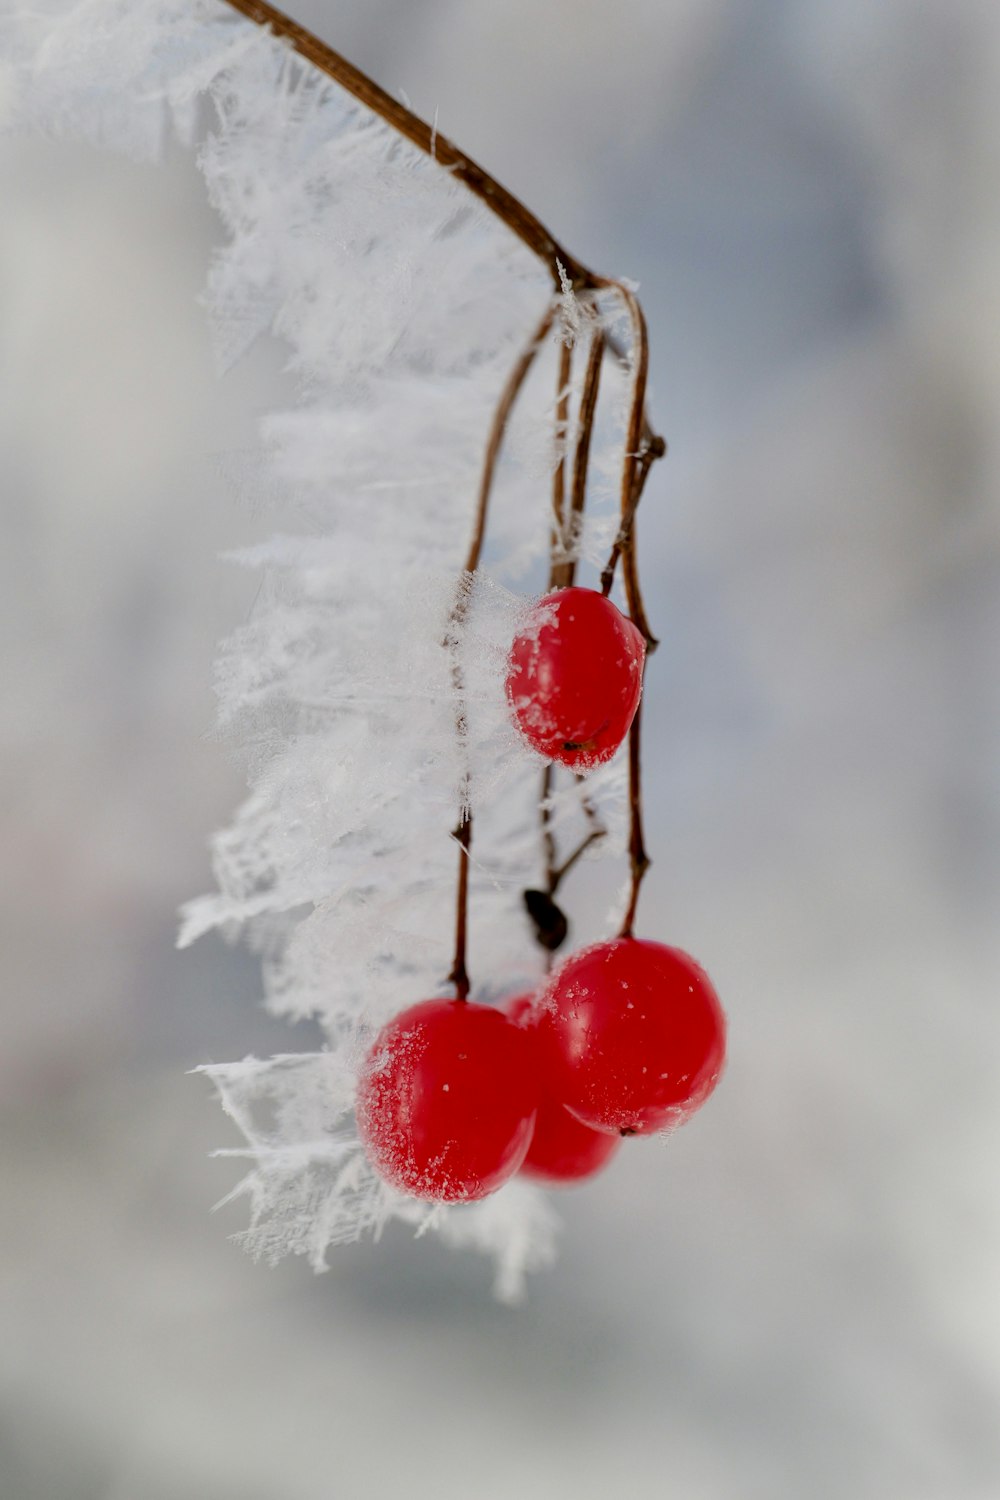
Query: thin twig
x=501, y=416
x=634, y=469
x=564, y=570
x=651, y=439
x=634, y=472
x=642, y=444
x=459, y=975
x=557, y=877
x=427, y=138
x=560, y=264
x=564, y=377
x=548, y=838
x=638, y=858
x=519, y=219
x=648, y=454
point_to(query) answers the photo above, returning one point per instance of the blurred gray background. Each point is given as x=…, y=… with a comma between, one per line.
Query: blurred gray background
x=797, y=1298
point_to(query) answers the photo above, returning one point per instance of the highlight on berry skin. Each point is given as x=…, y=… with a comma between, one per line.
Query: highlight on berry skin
x=574, y=677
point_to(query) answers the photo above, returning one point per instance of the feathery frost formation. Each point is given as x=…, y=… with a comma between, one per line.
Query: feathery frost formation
x=403, y=305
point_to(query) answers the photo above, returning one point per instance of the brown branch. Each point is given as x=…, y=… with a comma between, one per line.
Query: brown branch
x=564, y=571
x=642, y=444
x=459, y=975
x=554, y=876
x=650, y=438
x=557, y=877
x=564, y=376
x=621, y=548
x=548, y=839
x=501, y=416
x=639, y=456
x=520, y=220
x=550, y=922
x=638, y=858
x=638, y=459
x=499, y=200
x=561, y=574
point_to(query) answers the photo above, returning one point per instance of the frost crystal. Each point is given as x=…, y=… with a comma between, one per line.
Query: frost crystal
x=403, y=305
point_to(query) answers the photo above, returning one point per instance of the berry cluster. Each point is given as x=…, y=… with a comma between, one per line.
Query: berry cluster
x=626, y=1038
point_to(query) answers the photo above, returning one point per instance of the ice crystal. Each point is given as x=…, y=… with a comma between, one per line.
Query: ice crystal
x=403, y=305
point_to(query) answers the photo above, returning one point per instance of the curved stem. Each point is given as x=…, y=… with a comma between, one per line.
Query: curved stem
x=638, y=858
x=520, y=220
x=639, y=456
x=501, y=416
x=564, y=571
x=642, y=444
x=638, y=459
x=459, y=975
x=562, y=267
x=557, y=876
x=564, y=377
x=650, y=438
x=561, y=575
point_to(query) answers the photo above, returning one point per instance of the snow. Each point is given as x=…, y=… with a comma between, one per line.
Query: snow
x=796, y=1295
x=402, y=305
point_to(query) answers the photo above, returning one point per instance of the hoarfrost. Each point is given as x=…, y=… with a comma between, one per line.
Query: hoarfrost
x=403, y=306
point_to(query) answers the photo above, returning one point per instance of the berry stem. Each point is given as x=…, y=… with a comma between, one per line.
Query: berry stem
x=557, y=549
x=494, y=442
x=641, y=451
x=548, y=838
x=597, y=831
x=563, y=572
x=642, y=444
x=459, y=975
x=638, y=858
x=564, y=379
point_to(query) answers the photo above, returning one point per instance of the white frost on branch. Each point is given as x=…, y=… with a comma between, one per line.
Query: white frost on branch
x=403, y=305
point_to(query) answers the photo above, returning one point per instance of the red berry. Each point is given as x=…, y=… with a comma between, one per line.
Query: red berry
x=574, y=677
x=562, y=1148
x=632, y=1036
x=446, y=1100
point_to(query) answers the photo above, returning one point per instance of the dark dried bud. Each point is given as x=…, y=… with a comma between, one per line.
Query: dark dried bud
x=551, y=922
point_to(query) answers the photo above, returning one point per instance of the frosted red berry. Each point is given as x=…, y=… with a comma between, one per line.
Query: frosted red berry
x=562, y=1149
x=446, y=1100
x=632, y=1036
x=574, y=677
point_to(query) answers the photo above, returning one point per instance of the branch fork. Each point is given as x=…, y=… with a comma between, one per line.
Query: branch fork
x=573, y=286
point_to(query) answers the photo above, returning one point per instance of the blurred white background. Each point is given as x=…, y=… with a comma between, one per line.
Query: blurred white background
x=797, y=1298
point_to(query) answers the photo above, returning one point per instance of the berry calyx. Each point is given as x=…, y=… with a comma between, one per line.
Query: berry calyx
x=562, y=1149
x=632, y=1036
x=574, y=677
x=446, y=1100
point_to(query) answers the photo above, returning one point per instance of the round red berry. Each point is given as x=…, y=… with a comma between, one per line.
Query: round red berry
x=446, y=1100
x=574, y=677
x=632, y=1036
x=562, y=1148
